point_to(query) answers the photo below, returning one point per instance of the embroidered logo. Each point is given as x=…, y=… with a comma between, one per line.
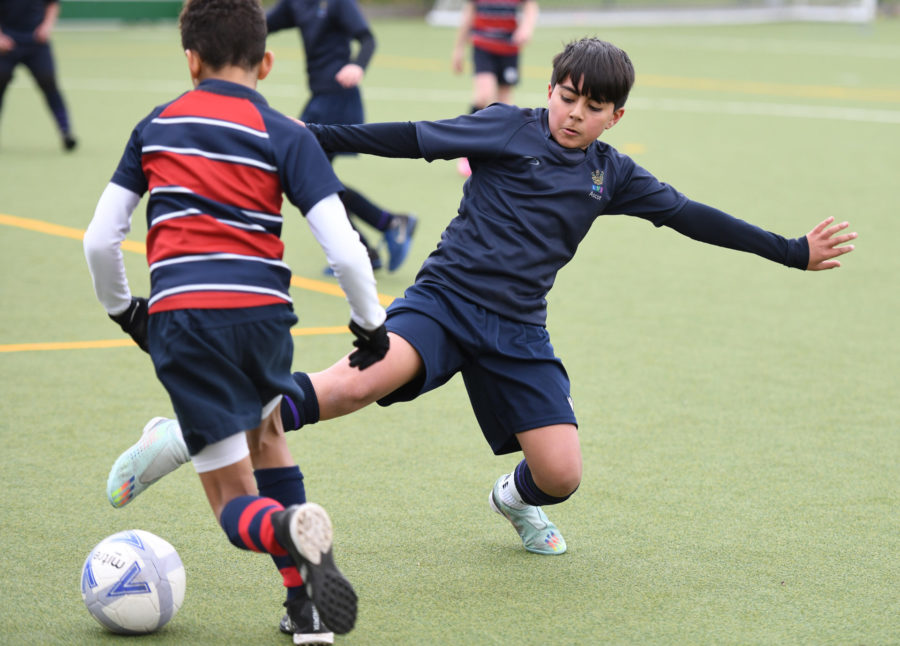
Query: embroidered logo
x=597, y=185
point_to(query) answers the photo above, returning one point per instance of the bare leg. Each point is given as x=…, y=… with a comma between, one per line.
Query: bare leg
x=341, y=389
x=485, y=89
x=227, y=483
x=268, y=449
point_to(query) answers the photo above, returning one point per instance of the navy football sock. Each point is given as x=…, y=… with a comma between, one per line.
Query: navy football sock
x=296, y=414
x=529, y=491
x=360, y=206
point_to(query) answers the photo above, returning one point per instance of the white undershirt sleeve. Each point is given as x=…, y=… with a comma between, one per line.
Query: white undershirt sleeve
x=348, y=259
x=103, y=246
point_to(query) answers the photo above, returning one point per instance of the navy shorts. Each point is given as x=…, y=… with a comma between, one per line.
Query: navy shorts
x=505, y=68
x=37, y=57
x=335, y=108
x=342, y=108
x=220, y=367
x=514, y=380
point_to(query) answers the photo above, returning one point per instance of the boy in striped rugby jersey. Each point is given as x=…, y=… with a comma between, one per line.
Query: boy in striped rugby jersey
x=497, y=29
x=215, y=162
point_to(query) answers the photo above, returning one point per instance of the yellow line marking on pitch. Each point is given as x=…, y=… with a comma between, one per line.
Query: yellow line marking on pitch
x=49, y=228
x=124, y=343
x=62, y=231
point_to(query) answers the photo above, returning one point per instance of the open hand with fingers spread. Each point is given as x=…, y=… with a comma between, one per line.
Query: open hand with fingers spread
x=825, y=245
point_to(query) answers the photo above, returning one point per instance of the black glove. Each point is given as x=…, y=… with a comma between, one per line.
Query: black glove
x=134, y=321
x=371, y=346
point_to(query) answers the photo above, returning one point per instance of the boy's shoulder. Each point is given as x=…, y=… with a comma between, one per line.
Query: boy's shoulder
x=504, y=112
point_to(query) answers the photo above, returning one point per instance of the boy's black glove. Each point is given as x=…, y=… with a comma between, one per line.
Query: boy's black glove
x=134, y=321
x=371, y=346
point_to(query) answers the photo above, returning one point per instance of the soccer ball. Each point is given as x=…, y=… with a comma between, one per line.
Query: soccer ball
x=133, y=582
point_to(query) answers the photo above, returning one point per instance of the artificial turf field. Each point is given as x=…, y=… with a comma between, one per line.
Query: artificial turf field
x=739, y=420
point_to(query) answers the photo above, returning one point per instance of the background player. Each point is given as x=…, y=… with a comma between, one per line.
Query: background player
x=497, y=34
x=216, y=162
x=25, y=29
x=328, y=28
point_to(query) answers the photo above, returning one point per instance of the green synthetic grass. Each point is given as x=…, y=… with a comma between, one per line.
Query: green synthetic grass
x=739, y=420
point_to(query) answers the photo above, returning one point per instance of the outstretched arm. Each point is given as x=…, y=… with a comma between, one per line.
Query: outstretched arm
x=825, y=245
x=813, y=252
x=396, y=139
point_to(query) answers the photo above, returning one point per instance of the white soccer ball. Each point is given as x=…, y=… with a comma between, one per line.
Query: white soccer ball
x=133, y=582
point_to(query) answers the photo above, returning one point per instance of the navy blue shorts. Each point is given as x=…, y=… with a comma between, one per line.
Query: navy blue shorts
x=335, y=108
x=37, y=57
x=220, y=367
x=514, y=380
x=341, y=108
x=505, y=68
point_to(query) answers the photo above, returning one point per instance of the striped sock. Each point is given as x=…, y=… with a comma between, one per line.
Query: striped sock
x=285, y=485
x=247, y=521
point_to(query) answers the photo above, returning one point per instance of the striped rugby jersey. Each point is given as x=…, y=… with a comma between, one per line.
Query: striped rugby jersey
x=494, y=24
x=216, y=162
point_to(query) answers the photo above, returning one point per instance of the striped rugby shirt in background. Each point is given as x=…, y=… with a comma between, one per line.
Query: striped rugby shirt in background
x=216, y=162
x=494, y=24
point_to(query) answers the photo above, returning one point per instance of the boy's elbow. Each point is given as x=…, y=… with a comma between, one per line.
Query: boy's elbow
x=97, y=247
x=91, y=245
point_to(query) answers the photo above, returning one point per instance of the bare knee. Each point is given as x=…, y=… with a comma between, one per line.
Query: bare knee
x=553, y=454
x=559, y=479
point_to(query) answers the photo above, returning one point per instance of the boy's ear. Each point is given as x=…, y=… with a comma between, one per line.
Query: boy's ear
x=618, y=114
x=549, y=89
x=194, y=64
x=265, y=65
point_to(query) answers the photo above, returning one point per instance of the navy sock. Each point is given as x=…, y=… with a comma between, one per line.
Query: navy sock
x=296, y=414
x=284, y=484
x=360, y=206
x=529, y=491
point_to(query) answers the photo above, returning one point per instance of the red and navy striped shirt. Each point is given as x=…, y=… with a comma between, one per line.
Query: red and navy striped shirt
x=494, y=24
x=216, y=162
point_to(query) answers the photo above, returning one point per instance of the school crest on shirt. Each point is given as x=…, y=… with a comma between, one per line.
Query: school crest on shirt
x=597, y=185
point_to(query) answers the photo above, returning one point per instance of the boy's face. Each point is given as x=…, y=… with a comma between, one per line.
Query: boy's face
x=576, y=121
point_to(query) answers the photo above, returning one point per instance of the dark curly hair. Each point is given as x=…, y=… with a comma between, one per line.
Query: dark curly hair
x=224, y=32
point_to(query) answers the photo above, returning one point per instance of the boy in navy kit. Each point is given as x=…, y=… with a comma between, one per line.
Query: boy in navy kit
x=478, y=306
x=327, y=28
x=25, y=28
x=216, y=162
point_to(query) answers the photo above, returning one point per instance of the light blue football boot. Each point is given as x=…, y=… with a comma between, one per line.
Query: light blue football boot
x=538, y=534
x=160, y=450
